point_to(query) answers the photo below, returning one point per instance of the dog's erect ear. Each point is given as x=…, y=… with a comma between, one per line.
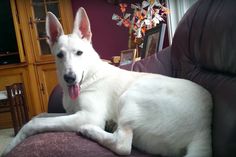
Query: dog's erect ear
x=53, y=28
x=82, y=25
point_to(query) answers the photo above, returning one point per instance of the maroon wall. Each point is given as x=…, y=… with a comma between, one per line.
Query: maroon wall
x=108, y=38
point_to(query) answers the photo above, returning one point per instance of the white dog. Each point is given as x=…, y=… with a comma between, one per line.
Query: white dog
x=155, y=113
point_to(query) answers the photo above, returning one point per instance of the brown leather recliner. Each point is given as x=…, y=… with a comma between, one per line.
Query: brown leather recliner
x=203, y=50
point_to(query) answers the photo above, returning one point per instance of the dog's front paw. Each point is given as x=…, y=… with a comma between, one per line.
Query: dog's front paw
x=89, y=131
x=86, y=130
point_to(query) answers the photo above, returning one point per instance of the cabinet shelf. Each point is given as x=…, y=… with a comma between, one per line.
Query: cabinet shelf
x=5, y=54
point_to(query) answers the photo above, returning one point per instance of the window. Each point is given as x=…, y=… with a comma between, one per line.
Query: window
x=177, y=10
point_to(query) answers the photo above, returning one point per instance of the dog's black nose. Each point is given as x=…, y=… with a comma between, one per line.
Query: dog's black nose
x=70, y=77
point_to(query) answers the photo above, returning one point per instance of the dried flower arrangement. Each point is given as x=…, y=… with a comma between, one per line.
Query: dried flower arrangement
x=144, y=17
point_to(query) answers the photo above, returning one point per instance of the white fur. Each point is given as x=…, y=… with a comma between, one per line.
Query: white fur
x=155, y=113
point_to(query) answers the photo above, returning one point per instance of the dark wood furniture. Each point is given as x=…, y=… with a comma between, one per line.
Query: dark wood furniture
x=17, y=105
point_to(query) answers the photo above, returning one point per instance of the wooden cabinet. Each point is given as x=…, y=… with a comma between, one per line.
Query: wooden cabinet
x=33, y=64
x=47, y=81
x=42, y=59
x=37, y=10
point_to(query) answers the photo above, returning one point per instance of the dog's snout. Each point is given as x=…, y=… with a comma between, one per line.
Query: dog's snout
x=70, y=77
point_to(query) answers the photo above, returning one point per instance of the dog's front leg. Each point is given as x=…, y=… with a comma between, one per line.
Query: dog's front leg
x=45, y=124
x=119, y=142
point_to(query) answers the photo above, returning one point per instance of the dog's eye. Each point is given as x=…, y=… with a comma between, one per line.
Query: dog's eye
x=60, y=55
x=78, y=53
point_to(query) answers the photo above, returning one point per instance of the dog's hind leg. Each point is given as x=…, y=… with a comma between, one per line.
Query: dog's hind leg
x=119, y=142
x=200, y=145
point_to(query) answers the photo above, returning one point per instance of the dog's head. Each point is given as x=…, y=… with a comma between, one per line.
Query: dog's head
x=74, y=52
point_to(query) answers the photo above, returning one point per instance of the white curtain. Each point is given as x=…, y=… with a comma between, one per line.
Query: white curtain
x=177, y=10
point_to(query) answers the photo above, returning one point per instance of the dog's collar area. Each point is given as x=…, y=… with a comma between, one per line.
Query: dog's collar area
x=86, y=81
x=81, y=80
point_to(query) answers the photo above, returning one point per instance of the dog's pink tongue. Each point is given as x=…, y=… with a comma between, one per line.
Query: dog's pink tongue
x=74, y=91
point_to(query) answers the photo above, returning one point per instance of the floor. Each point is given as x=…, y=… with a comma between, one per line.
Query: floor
x=6, y=135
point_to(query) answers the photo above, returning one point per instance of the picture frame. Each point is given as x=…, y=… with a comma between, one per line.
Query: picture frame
x=153, y=40
x=127, y=56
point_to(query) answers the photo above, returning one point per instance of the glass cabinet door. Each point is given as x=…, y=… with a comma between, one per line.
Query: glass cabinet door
x=11, y=48
x=39, y=9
